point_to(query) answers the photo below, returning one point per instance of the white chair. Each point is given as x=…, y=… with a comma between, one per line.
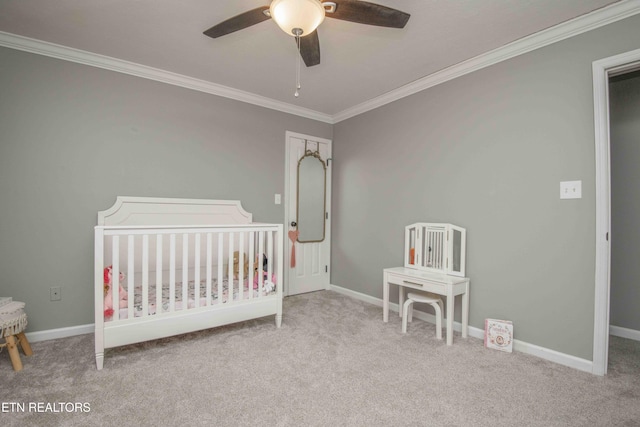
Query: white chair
x=435, y=302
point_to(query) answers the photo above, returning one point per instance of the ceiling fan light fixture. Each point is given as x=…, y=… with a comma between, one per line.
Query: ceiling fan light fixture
x=295, y=15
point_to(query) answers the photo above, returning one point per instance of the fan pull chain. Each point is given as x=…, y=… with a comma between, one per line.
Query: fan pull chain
x=297, y=93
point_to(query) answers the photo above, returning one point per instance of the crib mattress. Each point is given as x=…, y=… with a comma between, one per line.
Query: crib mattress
x=247, y=292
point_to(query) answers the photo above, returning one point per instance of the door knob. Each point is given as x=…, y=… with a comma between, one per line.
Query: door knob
x=293, y=223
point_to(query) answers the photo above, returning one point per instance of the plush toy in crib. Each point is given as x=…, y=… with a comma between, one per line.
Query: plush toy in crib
x=236, y=265
x=108, y=296
x=268, y=285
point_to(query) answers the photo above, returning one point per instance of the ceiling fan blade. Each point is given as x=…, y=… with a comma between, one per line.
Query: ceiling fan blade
x=238, y=22
x=310, y=49
x=364, y=12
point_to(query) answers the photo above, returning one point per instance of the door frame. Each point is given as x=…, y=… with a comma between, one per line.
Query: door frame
x=287, y=219
x=602, y=70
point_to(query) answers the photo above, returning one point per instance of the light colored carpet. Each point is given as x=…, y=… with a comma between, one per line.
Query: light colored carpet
x=333, y=363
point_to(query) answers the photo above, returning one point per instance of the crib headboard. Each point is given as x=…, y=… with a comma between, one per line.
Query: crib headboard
x=129, y=210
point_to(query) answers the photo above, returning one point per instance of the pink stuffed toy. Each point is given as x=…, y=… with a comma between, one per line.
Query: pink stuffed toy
x=108, y=296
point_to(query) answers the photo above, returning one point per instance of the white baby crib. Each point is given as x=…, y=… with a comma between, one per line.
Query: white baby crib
x=176, y=259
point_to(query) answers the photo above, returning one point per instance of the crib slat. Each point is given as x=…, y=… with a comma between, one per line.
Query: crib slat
x=115, y=277
x=172, y=273
x=230, y=269
x=130, y=274
x=220, y=264
x=270, y=255
x=260, y=262
x=251, y=256
x=159, y=254
x=209, y=255
x=196, y=273
x=145, y=275
x=185, y=271
x=241, y=266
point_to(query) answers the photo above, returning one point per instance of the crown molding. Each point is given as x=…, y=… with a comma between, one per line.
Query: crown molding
x=65, y=53
x=565, y=30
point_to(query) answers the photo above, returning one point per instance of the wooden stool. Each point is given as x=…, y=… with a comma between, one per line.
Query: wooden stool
x=13, y=321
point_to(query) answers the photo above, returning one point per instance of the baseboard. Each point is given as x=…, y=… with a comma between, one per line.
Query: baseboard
x=621, y=332
x=360, y=296
x=520, y=346
x=53, y=334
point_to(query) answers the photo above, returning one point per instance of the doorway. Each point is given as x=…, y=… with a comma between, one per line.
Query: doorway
x=602, y=71
x=307, y=213
x=624, y=295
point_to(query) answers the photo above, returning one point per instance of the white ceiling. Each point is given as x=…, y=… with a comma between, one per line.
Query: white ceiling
x=358, y=62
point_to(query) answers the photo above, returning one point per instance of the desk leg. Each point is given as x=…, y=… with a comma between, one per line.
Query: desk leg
x=465, y=311
x=400, y=299
x=385, y=299
x=450, y=313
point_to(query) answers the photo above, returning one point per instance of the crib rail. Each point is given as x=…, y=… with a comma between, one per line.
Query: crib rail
x=195, y=260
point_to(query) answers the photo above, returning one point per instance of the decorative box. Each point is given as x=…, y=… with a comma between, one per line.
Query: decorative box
x=435, y=247
x=498, y=334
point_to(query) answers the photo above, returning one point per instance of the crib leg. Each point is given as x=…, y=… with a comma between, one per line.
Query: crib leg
x=278, y=320
x=99, y=360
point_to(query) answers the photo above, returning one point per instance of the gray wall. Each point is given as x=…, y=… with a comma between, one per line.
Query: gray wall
x=624, y=101
x=486, y=151
x=72, y=138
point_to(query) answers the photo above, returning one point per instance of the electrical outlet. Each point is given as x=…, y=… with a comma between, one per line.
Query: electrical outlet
x=55, y=293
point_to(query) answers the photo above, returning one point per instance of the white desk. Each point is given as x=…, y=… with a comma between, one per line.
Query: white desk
x=441, y=284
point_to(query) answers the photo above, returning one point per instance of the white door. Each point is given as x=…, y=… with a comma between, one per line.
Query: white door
x=308, y=181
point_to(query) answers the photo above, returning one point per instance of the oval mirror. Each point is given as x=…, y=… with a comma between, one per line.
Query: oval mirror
x=311, y=198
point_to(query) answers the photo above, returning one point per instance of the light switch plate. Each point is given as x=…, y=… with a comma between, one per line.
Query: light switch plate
x=571, y=189
x=278, y=199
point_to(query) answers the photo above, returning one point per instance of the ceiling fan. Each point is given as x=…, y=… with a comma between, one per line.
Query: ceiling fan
x=300, y=18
